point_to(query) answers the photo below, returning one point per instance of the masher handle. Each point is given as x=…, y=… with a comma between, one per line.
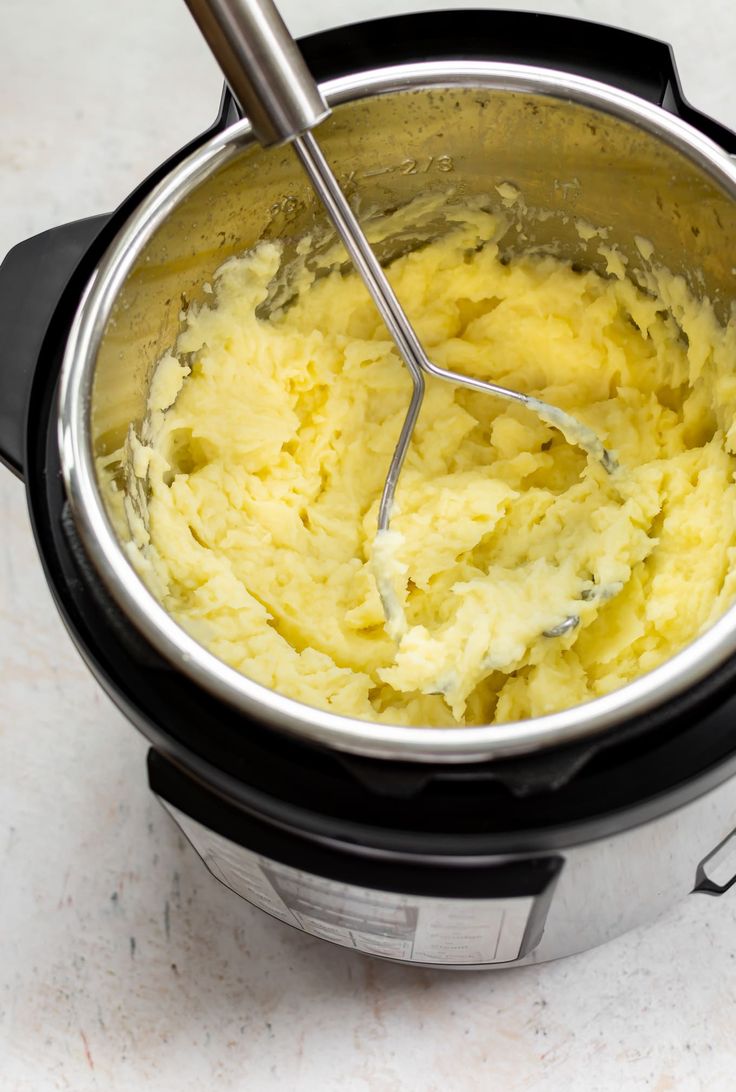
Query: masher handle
x=262, y=65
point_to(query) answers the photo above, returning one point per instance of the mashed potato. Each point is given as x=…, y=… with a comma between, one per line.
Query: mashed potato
x=263, y=457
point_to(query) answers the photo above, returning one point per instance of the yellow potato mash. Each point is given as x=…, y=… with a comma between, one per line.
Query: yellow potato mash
x=268, y=438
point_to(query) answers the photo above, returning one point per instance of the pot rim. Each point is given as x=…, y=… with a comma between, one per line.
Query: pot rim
x=377, y=740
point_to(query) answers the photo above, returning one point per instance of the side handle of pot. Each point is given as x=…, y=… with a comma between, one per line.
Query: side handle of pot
x=32, y=279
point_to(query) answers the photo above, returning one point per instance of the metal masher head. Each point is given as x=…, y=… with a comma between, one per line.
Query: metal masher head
x=270, y=80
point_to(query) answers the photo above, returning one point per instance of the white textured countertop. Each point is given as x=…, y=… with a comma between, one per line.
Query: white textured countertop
x=123, y=964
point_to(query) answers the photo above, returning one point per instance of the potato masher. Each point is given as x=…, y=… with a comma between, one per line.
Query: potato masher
x=271, y=83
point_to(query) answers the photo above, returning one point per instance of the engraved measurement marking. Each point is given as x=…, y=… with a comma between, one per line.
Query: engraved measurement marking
x=285, y=205
x=443, y=163
x=410, y=165
x=566, y=188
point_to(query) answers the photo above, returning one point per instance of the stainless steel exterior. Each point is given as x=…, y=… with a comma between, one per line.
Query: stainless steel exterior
x=573, y=147
x=605, y=888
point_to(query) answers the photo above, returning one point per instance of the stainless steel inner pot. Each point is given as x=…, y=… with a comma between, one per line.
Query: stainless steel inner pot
x=572, y=146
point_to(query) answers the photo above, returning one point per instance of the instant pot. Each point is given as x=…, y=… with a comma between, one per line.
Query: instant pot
x=469, y=847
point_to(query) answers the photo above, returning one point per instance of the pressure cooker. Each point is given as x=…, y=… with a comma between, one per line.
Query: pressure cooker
x=484, y=846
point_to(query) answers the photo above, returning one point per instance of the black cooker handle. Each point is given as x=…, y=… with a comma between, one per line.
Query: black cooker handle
x=32, y=279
